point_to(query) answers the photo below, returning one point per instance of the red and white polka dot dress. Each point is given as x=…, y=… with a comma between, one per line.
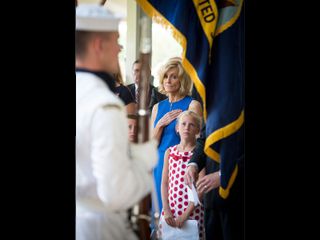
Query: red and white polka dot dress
x=178, y=190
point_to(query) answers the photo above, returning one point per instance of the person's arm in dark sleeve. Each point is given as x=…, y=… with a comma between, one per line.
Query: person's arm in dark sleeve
x=199, y=157
x=198, y=160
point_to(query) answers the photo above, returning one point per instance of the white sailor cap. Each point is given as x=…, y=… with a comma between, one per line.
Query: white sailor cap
x=94, y=17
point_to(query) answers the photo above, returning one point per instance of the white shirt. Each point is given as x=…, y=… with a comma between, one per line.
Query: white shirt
x=108, y=181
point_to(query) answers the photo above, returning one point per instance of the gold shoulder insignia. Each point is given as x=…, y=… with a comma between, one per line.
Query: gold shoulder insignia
x=109, y=106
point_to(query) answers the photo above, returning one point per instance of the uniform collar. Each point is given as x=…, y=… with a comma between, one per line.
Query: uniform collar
x=107, y=78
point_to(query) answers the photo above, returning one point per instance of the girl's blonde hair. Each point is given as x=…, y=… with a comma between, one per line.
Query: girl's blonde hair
x=195, y=116
x=185, y=81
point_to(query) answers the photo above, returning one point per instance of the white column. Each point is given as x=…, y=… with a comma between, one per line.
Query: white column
x=134, y=13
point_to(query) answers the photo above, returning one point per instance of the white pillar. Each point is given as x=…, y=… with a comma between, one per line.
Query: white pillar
x=134, y=13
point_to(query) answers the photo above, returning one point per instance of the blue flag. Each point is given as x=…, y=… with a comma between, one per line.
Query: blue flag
x=211, y=34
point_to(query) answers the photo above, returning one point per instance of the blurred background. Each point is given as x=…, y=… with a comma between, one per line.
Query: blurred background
x=164, y=45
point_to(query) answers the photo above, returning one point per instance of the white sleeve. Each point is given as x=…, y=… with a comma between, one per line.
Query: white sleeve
x=121, y=181
x=193, y=164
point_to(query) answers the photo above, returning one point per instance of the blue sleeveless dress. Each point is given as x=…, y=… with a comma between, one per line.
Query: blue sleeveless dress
x=169, y=137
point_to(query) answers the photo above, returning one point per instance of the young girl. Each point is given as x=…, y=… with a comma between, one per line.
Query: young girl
x=176, y=206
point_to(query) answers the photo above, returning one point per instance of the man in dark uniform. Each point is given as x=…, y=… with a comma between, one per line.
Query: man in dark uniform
x=224, y=218
x=154, y=95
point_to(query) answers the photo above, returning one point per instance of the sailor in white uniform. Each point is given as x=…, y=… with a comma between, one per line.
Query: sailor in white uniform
x=108, y=180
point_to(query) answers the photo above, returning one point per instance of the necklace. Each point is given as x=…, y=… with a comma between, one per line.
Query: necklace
x=171, y=103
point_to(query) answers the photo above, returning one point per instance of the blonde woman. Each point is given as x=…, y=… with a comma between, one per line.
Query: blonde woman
x=176, y=84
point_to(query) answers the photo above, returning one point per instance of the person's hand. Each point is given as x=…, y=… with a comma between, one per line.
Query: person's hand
x=208, y=182
x=169, y=117
x=168, y=217
x=191, y=175
x=180, y=220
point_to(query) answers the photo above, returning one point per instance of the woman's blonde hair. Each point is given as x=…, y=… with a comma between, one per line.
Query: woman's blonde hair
x=185, y=81
x=195, y=116
x=118, y=76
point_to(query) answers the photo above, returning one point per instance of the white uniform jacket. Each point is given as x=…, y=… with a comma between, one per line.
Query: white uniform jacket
x=108, y=181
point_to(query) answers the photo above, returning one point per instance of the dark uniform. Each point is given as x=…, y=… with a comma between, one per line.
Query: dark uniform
x=224, y=218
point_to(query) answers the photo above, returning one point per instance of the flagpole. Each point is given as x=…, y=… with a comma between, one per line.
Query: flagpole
x=143, y=123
